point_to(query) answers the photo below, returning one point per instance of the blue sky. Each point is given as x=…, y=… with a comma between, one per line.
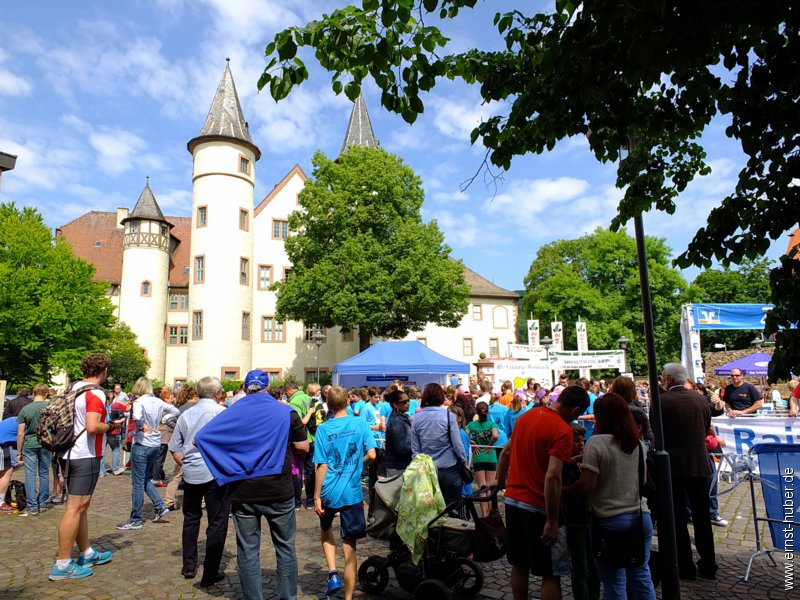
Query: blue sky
x=94, y=96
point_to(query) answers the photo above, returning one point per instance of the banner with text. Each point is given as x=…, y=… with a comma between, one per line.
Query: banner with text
x=509, y=370
x=730, y=316
x=557, y=331
x=527, y=352
x=533, y=332
x=593, y=359
x=742, y=433
x=583, y=343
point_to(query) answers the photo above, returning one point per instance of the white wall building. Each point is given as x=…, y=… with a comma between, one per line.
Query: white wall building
x=201, y=307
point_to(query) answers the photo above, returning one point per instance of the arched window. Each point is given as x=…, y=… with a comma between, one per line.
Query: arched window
x=500, y=317
x=146, y=288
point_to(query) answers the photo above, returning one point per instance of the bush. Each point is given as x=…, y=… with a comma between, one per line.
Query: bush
x=231, y=385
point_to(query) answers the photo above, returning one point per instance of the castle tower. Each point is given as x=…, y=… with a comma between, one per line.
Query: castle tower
x=221, y=279
x=145, y=278
x=359, y=127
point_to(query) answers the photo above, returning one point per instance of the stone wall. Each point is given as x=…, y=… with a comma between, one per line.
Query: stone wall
x=714, y=360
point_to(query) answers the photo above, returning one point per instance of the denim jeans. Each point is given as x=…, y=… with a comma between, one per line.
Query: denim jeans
x=282, y=527
x=142, y=460
x=37, y=462
x=637, y=579
x=115, y=443
x=713, y=487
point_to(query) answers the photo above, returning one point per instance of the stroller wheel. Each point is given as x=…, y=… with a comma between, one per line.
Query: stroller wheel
x=373, y=576
x=432, y=588
x=468, y=578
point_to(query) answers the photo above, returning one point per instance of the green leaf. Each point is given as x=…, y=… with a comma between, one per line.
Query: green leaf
x=352, y=90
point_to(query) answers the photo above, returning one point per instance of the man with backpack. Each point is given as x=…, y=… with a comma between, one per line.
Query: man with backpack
x=81, y=464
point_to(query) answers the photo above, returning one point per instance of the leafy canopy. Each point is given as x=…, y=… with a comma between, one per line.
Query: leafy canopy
x=51, y=313
x=595, y=278
x=362, y=257
x=648, y=76
x=128, y=359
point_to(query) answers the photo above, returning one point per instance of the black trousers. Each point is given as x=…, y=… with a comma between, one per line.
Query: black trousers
x=695, y=492
x=310, y=475
x=218, y=508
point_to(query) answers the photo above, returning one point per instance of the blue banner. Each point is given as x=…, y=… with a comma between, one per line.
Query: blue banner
x=730, y=316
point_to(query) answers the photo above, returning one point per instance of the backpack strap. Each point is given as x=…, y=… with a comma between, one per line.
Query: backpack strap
x=86, y=388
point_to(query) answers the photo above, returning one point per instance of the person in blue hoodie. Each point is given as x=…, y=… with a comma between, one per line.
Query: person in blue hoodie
x=249, y=447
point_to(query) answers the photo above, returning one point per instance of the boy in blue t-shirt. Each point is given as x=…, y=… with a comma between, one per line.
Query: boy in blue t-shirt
x=341, y=448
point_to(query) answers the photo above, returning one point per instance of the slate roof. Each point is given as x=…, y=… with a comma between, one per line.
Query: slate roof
x=359, y=127
x=225, y=118
x=147, y=207
x=84, y=233
x=482, y=287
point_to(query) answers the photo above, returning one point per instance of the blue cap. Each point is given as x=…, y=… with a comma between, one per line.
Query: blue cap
x=256, y=377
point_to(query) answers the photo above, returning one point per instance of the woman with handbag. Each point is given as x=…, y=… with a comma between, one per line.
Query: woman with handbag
x=434, y=431
x=613, y=473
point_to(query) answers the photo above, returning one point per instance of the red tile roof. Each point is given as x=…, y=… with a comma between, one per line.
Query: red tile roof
x=84, y=233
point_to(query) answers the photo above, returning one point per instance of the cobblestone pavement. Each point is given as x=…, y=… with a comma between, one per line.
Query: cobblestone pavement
x=147, y=563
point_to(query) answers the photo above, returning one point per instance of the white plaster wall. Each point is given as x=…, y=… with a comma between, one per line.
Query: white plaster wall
x=146, y=315
x=176, y=355
x=218, y=185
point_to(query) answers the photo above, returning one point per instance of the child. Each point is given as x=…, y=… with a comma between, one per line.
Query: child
x=341, y=448
x=585, y=583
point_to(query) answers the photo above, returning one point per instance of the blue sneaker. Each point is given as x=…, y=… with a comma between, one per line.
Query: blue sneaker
x=334, y=584
x=72, y=571
x=97, y=558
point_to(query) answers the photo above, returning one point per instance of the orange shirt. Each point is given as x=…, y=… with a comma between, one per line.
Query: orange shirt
x=506, y=399
x=538, y=434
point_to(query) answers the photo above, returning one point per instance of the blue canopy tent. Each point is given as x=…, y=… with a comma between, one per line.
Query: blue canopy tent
x=382, y=363
x=752, y=365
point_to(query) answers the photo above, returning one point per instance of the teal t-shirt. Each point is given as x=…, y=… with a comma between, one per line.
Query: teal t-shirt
x=358, y=406
x=510, y=418
x=341, y=444
x=370, y=414
x=480, y=433
x=29, y=415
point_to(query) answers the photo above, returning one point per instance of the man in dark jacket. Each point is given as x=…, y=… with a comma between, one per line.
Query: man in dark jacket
x=686, y=417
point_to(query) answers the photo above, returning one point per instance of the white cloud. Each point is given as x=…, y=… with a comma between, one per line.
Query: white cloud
x=12, y=85
x=116, y=149
x=460, y=229
x=528, y=197
x=175, y=200
x=458, y=119
x=448, y=197
x=40, y=165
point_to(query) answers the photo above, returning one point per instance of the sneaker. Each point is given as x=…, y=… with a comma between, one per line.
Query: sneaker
x=29, y=512
x=103, y=474
x=719, y=521
x=43, y=509
x=72, y=571
x=119, y=471
x=172, y=507
x=130, y=526
x=334, y=584
x=161, y=514
x=97, y=558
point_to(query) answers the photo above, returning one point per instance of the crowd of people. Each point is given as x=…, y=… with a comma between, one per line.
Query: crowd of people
x=573, y=461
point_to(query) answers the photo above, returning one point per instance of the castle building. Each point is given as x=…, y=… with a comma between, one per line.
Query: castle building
x=195, y=290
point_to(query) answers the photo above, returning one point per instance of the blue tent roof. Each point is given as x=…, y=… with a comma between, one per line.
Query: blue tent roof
x=400, y=357
x=755, y=364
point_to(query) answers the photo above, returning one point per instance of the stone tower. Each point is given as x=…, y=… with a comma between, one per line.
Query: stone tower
x=221, y=278
x=145, y=278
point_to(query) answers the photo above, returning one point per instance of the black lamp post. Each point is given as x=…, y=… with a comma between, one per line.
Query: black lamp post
x=319, y=339
x=545, y=343
x=622, y=342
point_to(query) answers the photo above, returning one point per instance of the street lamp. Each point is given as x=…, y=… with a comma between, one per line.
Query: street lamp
x=622, y=342
x=319, y=339
x=545, y=343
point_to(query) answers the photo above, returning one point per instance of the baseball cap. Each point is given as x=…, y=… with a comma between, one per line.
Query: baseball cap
x=256, y=377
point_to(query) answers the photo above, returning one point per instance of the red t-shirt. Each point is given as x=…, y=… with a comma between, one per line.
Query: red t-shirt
x=796, y=392
x=538, y=434
x=87, y=445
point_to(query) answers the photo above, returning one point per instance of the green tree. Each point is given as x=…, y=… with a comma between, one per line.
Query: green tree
x=51, y=313
x=649, y=76
x=363, y=259
x=748, y=283
x=128, y=359
x=595, y=278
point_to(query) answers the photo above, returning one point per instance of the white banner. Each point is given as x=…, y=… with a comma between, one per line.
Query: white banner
x=509, y=370
x=557, y=331
x=742, y=433
x=691, y=357
x=593, y=359
x=583, y=344
x=533, y=332
x=527, y=352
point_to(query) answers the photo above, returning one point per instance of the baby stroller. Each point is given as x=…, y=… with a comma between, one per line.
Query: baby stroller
x=444, y=569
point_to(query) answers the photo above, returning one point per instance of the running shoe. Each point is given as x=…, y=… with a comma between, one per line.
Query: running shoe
x=97, y=558
x=130, y=526
x=161, y=514
x=72, y=571
x=334, y=584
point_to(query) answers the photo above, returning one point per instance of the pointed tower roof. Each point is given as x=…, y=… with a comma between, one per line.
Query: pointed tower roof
x=147, y=207
x=359, y=128
x=225, y=118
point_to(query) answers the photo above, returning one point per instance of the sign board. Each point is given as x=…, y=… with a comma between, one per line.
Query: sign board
x=593, y=359
x=583, y=343
x=730, y=316
x=533, y=332
x=742, y=433
x=509, y=370
x=557, y=330
x=527, y=352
